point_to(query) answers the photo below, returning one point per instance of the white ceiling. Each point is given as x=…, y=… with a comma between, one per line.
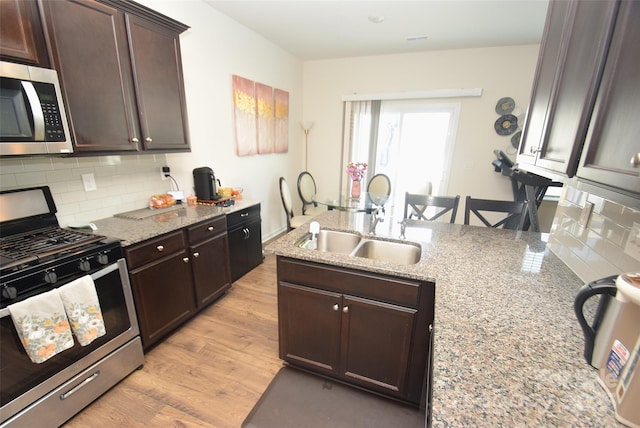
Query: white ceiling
x=314, y=30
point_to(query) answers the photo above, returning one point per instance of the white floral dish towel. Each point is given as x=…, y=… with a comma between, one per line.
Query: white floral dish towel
x=42, y=325
x=83, y=309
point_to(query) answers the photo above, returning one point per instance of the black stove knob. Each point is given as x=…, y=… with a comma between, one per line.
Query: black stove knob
x=9, y=292
x=50, y=277
x=103, y=259
x=84, y=265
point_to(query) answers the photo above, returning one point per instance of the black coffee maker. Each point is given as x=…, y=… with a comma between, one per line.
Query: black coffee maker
x=204, y=183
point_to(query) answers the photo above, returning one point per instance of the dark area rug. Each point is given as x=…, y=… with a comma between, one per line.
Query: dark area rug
x=298, y=399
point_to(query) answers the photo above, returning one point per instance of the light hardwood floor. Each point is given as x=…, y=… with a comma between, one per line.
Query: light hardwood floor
x=208, y=373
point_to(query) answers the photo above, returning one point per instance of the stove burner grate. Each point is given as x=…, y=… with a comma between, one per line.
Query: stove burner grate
x=43, y=242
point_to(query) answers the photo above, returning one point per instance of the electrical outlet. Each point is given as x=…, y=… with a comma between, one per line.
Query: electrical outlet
x=164, y=172
x=89, y=182
x=585, y=215
x=633, y=242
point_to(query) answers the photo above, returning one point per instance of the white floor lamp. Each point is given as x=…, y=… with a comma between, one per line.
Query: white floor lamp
x=306, y=127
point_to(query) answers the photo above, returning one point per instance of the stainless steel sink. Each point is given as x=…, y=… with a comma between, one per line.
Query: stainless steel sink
x=393, y=252
x=333, y=241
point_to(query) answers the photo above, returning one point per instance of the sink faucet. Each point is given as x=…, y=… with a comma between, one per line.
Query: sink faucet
x=377, y=216
x=403, y=227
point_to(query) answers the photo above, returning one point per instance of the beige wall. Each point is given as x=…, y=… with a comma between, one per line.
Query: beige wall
x=500, y=72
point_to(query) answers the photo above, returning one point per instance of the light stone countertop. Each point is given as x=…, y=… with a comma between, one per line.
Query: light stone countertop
x=508, y=347
x=131, y=231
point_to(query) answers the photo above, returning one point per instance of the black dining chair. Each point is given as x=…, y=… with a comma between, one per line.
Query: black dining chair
x=307, y=193
x=293, y=220
x=515, y=211
x=416, y=205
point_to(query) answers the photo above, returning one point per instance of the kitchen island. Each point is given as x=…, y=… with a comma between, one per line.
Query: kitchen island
x=507, y=346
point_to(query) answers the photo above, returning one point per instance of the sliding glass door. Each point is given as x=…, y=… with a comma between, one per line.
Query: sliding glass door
x=411, y=141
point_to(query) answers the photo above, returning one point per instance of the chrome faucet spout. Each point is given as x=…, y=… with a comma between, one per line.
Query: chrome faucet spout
x=377, y=216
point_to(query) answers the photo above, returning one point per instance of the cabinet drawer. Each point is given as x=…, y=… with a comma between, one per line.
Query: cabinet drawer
x=242, y=216
x=154, y=248
x=404, y=292
x=207, y=229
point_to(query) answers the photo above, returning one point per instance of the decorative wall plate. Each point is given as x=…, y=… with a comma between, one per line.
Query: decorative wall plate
x=515, y=139
x=505, y=105
x=506, y=124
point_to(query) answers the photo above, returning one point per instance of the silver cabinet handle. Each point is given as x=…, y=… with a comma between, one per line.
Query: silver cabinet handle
x=185, y=259
x=160, y=247
x=210, y=228
x=148, y=139
x=534, y=150
x=244, y=214
x=196, y=255
x=135, y=140
x=336, y=307
x=345, y=309
x=635, y=160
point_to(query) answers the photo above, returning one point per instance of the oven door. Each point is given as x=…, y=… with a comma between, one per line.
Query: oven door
x=24, y=382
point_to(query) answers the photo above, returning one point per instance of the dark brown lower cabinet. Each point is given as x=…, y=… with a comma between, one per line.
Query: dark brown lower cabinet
x=176, y=274
x=162, y=286
x=373, y=331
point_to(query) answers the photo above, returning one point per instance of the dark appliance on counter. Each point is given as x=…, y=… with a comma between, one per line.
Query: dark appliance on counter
x=36, y=256
x=32, y=112
x=204, y=182
x=612, y=341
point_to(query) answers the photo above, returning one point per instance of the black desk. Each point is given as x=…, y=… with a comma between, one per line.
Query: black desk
x=526, y=186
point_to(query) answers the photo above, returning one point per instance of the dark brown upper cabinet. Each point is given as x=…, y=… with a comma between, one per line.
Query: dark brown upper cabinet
x=582, y=117
x=121, y=74
x=611, y=154
x=569, y=67
x=21, y=36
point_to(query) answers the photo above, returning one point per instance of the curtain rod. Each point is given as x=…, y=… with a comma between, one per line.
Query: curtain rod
x=434, y=93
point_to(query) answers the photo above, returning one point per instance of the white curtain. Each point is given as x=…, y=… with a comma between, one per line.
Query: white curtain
x=359, y=137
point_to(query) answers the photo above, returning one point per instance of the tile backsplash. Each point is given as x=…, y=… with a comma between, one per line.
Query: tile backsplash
x=597, y=249
x=123, y=183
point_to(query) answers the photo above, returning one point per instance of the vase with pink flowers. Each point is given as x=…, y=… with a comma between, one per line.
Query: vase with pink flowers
x=356, y=172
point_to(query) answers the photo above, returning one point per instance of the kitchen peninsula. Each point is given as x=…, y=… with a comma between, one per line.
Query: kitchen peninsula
x=507, y=346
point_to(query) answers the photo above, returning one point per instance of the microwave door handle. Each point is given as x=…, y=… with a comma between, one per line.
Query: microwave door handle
x=36, y=109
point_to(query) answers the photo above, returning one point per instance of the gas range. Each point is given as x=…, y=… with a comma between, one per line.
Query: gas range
x=35, y=252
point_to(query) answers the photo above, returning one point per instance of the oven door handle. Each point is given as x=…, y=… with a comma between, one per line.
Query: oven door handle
x=79, y=386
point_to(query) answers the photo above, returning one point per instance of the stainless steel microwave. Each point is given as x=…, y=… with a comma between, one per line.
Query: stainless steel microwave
x=32, y=115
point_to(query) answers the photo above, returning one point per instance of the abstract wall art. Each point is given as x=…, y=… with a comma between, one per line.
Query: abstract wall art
x=261, y=116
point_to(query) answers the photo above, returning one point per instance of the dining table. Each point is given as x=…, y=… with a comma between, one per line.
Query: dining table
x=367, y=202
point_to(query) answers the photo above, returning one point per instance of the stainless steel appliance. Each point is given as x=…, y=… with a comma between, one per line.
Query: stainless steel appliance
x=36, y=255
x=32, y=114
x=616, y=346
x=204, y=182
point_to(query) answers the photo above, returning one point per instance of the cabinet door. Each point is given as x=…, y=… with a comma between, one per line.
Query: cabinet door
x=210, y=264
x=157, y=70
x=163, y=294
x=245, y=248
x=91, y=55
x=556, y=129
x=254, y=244
x=376, y=344
x=237, y=252
x=546, y=70
x=21, y=35
x=611, y=154
x=309, y=327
